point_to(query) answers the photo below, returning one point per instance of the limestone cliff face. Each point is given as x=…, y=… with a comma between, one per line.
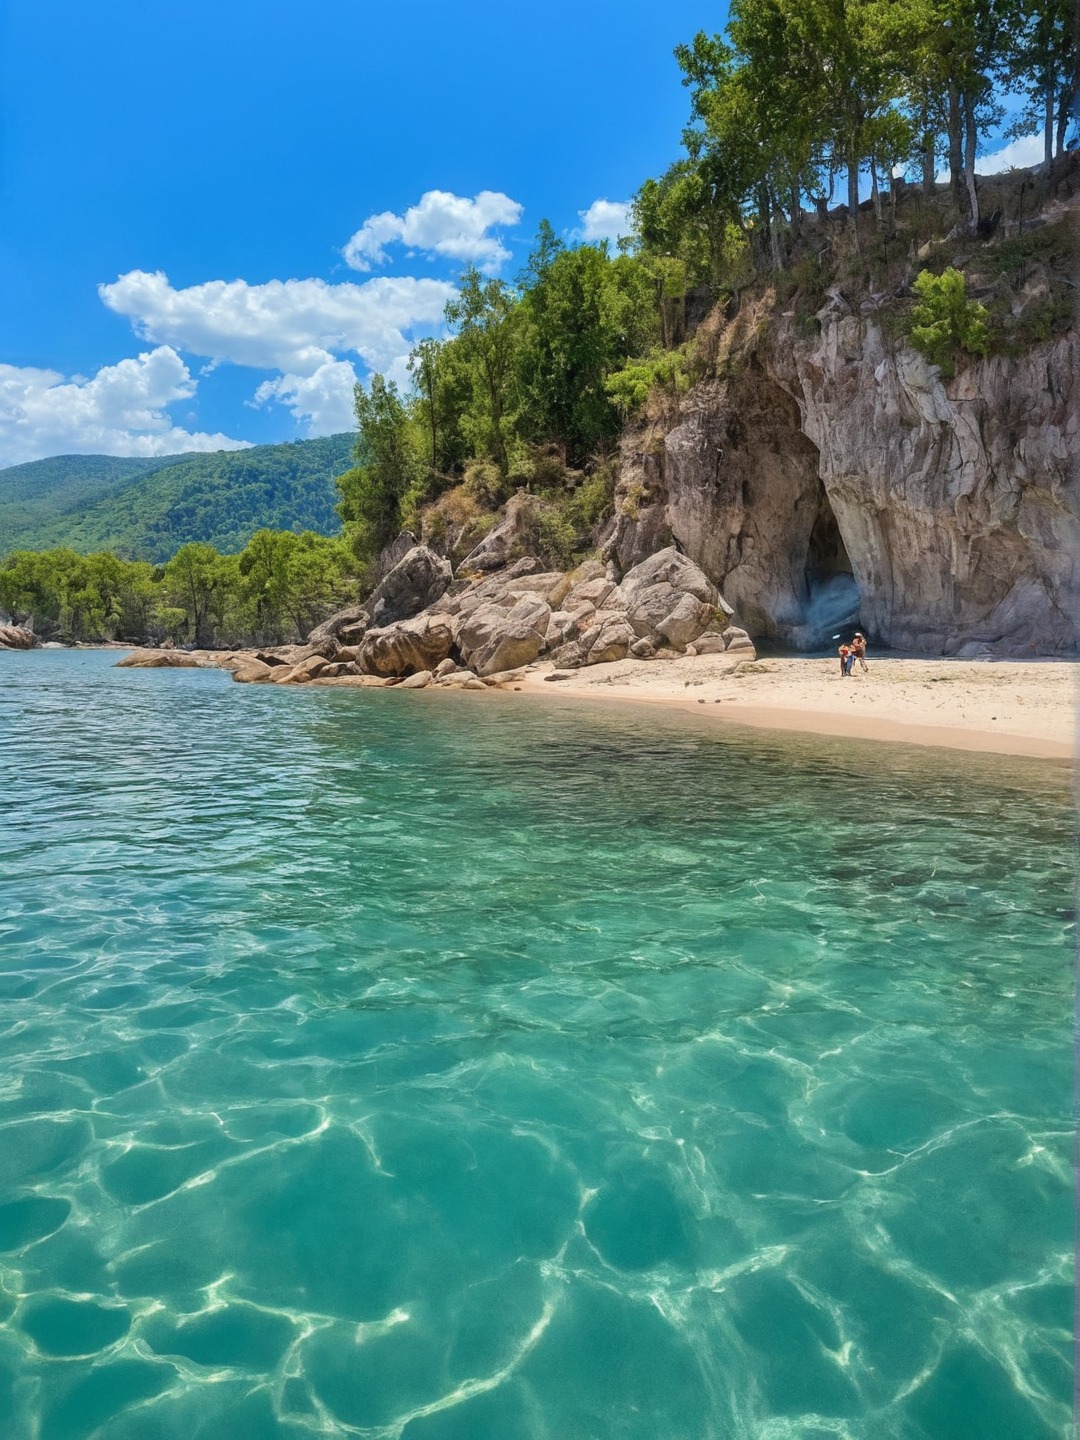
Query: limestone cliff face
x=839, y=477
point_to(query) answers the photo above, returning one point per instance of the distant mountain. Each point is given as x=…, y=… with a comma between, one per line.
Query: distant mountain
x=146, y=509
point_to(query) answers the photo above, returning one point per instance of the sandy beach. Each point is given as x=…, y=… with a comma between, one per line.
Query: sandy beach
x=1003, y=707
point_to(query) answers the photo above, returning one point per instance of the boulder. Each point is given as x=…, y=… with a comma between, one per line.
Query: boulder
x=596, y=591
x=608, y=638
x=270, y=657
x=491, y=638
x=418, y=579
x=159, y=660
x=390, y=554
x=310, y=668
x=563, y=626
x=643, y=650
x=17, y=637
x=420, y=681
x=407, y=647
x=252, y=672
x=513, y=533
x=570, y=656
x=345, y=627
x=547, y=584
x=444, y=668
x=710, y=644
x=737, y=641
x=668, y=599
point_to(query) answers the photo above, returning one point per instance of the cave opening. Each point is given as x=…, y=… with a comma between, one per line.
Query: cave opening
x=832, y=592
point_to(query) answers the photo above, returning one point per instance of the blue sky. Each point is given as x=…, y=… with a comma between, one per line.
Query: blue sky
x=232, y=146
x=216, y=215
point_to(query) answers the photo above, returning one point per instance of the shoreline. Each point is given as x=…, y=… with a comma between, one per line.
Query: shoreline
x=1016, y=708
x=1009, y=707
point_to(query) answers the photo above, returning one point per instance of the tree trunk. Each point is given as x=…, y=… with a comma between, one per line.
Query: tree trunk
x=929, y=170
x=853, y=198
x=929, y=155
x=1048, y=119
x=875, y=194
x=956, y=147
x=774, y=234
x=1062, y=121
x=971, y=136
x=796, y=210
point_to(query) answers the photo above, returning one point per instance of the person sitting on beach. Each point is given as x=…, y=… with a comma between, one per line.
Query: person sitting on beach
x=858, y=651
x=847, y=659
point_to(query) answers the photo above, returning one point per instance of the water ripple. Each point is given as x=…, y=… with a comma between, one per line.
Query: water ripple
x=444, y=1067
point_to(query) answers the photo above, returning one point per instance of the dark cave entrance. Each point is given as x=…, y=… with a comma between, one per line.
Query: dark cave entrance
x=832, y=593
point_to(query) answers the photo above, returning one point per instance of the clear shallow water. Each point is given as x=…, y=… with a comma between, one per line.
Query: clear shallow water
x=465, y=1068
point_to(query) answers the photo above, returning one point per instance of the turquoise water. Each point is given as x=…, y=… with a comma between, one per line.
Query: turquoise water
x=464, y=1067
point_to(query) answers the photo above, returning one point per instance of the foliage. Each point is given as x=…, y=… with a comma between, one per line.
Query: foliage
x=663, y=371
x=797, y=93
x=583, y=314
x=377, y=493
x=274, y=590
x=486, y=316
x=145, y=510
x=945, y=322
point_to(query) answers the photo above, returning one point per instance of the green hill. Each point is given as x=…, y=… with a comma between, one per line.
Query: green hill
x=34, y=494
x=146, y=509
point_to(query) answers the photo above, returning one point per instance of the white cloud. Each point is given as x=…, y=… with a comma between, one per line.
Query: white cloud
x=294, y=326
x=1028, y=150
x=323, y=401
x=1018, y=154
x=442, y=224
x=118, y=411
x=606, y=220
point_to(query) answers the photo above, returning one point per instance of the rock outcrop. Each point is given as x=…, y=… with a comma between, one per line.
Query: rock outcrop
x=17, y=637
x=838, y=479
x=418, y=579
x=419, y=643
x=415, y=578
x=159, y=660
x=488, y=627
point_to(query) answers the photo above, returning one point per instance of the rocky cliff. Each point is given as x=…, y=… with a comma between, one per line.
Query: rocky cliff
x=832, y=476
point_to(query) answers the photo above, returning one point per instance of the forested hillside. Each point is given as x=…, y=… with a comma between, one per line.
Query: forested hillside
x=34, y=494
x=145, y=510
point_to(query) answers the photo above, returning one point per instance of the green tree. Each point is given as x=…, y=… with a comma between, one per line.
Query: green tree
x=945, y=322
x=196, y=581
x=375, y=492
x=485, y=318
x=583, y=315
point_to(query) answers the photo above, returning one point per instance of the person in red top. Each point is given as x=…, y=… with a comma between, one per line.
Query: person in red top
x=847, y=658
x=858, y=646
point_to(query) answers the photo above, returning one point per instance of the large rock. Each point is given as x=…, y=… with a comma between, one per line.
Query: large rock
x=420, y=643
x=608, y=638
x=491, y=638
x=346, y=627
x=668, y=599
x=159, y=660
x=420, y=681
x=253, y=672
x=418, y=579
x=515, y=533
x=17, y=637
x=391, y=554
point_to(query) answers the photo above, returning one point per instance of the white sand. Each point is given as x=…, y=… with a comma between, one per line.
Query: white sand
x=1007, y=707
